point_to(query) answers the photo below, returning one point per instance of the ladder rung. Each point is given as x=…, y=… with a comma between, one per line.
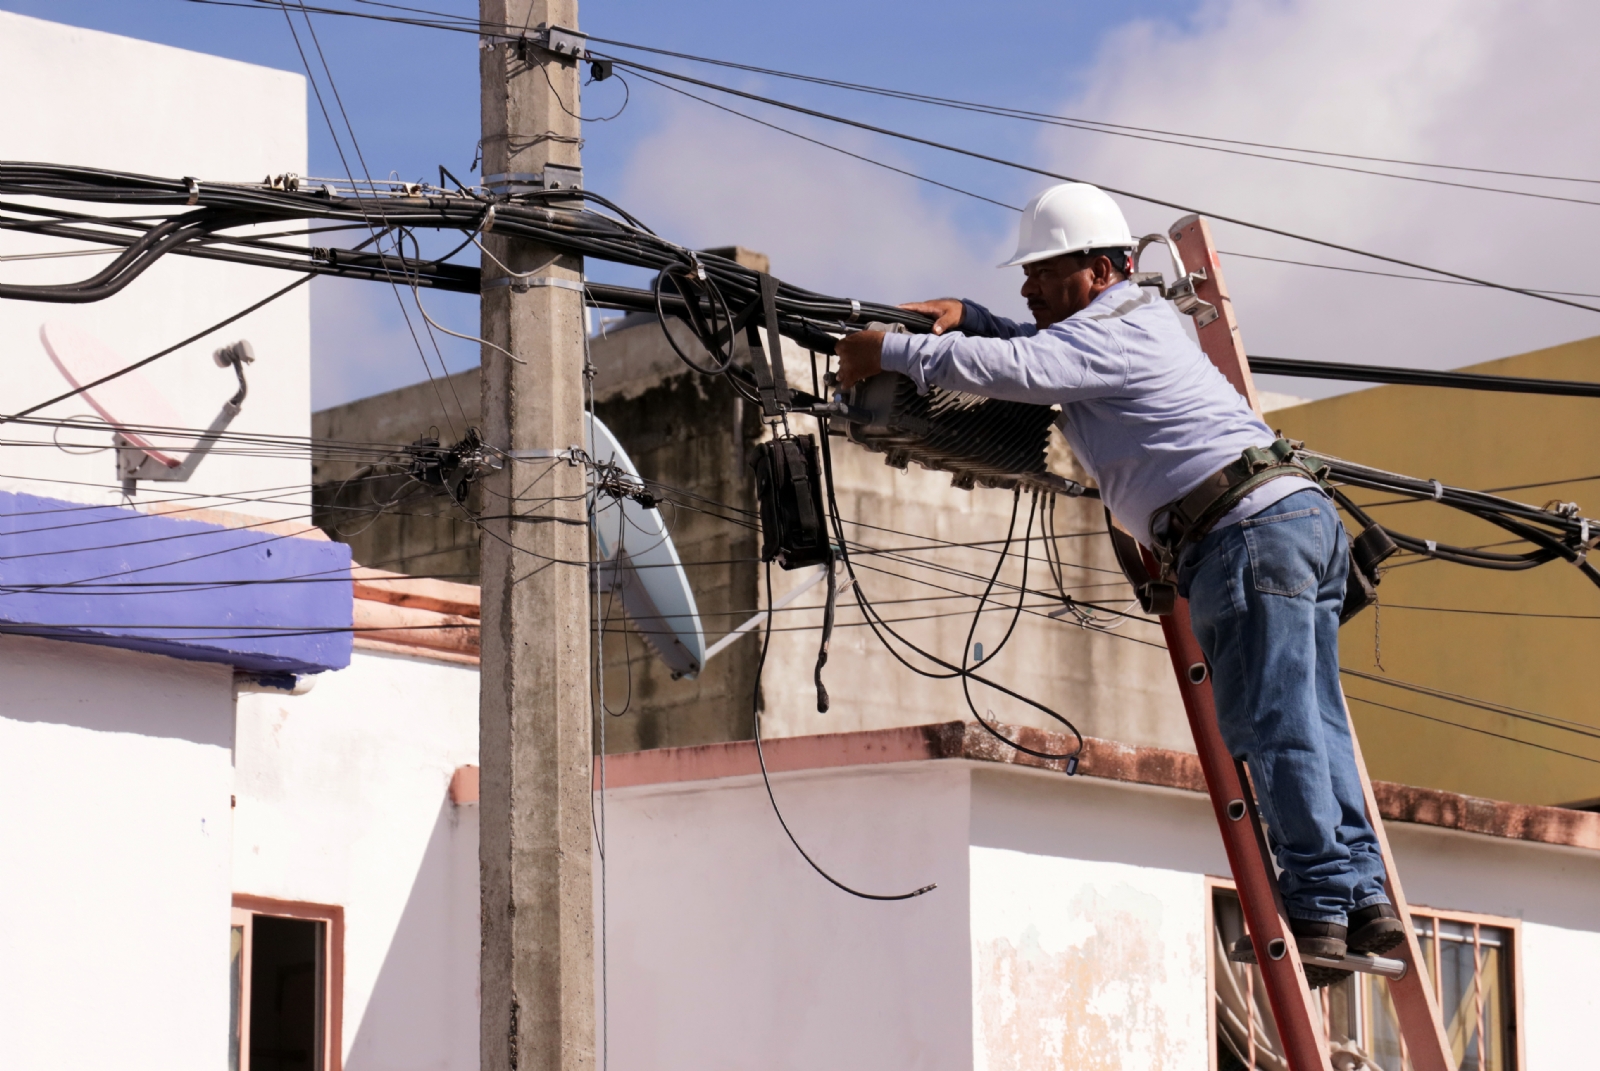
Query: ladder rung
x=1394, y=969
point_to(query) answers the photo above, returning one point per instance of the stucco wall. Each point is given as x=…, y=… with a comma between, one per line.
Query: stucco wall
x=159, y=111
x=342, y=799
x=725, y=951
x=1081, y=914
x=115, y=772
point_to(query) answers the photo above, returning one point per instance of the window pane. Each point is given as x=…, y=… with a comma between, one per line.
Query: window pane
x=1474, y=986
x=1247, y=1038
x=1471, y=986
x=286, y=994
x=235, y=993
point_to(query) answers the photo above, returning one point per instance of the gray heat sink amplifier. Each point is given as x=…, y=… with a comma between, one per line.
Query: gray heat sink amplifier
x=982, y=442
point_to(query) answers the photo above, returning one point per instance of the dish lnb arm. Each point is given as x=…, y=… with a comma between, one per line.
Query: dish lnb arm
x=236, y=355
x=134, y=464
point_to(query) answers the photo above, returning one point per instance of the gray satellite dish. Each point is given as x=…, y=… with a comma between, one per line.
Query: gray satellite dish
x=639, y=563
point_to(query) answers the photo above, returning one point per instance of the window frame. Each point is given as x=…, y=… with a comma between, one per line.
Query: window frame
x=1512, y=926
x=245, y=908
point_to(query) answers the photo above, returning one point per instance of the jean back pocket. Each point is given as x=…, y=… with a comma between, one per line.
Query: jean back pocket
x=1286, y=551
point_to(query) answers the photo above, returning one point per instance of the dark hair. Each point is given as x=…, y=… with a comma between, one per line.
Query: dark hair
x=1121, y=258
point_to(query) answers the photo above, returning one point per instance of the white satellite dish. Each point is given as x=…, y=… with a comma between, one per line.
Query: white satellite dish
x=639, y=563
x=127, y=402
x=134, y=407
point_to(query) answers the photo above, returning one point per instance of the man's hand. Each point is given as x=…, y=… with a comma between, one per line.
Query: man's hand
x=860, y=356
x=946, y=313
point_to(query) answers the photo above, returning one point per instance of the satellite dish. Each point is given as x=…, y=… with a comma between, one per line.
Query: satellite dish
x=127, y=400
x=134, y=407
x=639, y=563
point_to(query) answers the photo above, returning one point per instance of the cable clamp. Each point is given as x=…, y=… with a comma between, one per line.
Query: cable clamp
x=572, y=455
x=488, y=221
x=855, y=311
x=194, y=189
x=522, y=286
x=1438, y=490
x=1432, y=546
x=562, y=41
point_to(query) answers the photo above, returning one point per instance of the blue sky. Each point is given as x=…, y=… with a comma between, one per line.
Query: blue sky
x=1418, y=82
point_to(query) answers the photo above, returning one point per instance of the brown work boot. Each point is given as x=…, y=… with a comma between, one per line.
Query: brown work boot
x=1318, y=938
x=1375, y=930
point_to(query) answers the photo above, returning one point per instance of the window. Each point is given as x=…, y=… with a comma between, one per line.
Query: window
x=286, y=978
x=1469, y=959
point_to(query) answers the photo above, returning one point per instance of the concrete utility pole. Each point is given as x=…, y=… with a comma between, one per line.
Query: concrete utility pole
x=537, y=969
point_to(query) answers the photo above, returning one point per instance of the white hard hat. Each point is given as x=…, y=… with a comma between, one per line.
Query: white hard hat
x=1069, y=218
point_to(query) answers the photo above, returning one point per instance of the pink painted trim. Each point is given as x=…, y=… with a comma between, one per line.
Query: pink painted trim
x=464, y=786
x=1102, y=759
x=410, y=650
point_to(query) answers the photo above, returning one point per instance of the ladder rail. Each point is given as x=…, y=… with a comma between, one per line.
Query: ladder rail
x=1304, y=1040
x=1294, y=1008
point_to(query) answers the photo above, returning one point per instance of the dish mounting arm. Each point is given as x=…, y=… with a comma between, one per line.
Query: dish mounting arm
x=134, y=464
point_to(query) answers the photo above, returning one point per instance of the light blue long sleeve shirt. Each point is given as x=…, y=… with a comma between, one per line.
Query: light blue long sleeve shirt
x=1146, y=413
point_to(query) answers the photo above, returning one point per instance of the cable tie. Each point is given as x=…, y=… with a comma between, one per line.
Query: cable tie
x=520, y=285
x=194, y=189
x=1583, y=530
x=1431, y=545
x=1438, y=490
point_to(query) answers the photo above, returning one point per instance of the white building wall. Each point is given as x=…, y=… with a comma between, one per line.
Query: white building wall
x=725, y=951
x=343, y=799
x=1086, y=964
x=115, y=772
x=1069, y=929
x=135, y=106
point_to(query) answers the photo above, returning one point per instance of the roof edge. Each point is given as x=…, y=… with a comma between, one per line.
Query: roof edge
x=1101, y=759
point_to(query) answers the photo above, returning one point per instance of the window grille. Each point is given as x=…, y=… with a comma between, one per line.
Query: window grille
x=1468, y=958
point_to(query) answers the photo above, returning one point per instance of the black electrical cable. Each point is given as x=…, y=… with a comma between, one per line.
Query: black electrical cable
x=1389, y=274
x=1548, y=721
x=1073, y=122
x=974, y=154
x=766, y=778
x=219, y=325
x=464, y=24
x=1473, y=729
x=880, y=628
x=1419, y=377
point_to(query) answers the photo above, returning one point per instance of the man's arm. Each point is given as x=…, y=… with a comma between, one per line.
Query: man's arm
x=859, y=354
x=970, y=317
x=1045, y=368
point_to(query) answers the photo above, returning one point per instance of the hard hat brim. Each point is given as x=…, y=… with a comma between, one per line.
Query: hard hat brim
x=1030, y=258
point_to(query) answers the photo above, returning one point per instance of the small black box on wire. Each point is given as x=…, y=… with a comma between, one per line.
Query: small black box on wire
x=794, y=531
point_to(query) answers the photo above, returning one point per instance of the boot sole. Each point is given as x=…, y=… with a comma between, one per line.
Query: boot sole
x=1321, y=977
x=1377, y=937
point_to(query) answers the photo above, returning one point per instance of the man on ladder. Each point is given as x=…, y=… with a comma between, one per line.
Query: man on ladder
x=1249, y=536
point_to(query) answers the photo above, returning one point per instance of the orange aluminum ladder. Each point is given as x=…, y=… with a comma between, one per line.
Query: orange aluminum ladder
x=1296, y=1013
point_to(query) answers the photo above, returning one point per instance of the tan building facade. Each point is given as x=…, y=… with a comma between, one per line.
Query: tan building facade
x=1516, y=650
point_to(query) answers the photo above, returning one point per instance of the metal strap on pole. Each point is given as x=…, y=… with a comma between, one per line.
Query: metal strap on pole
x=767, y=363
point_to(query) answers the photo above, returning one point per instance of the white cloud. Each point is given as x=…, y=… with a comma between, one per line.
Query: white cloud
x=1483, y=84
x=829, y=223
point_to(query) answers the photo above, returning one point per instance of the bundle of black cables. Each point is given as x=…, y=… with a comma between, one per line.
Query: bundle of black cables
x=1556, y=533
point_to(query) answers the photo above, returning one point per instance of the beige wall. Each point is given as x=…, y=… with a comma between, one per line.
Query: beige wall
x=1545, y=664
x=694, y=434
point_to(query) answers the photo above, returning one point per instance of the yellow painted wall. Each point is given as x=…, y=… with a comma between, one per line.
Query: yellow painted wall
x=1546, y=665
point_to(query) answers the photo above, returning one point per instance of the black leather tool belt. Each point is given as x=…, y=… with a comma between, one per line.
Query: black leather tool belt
x=1188, y=519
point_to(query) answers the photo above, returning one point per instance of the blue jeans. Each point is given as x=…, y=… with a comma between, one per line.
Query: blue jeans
x=1264, y=598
